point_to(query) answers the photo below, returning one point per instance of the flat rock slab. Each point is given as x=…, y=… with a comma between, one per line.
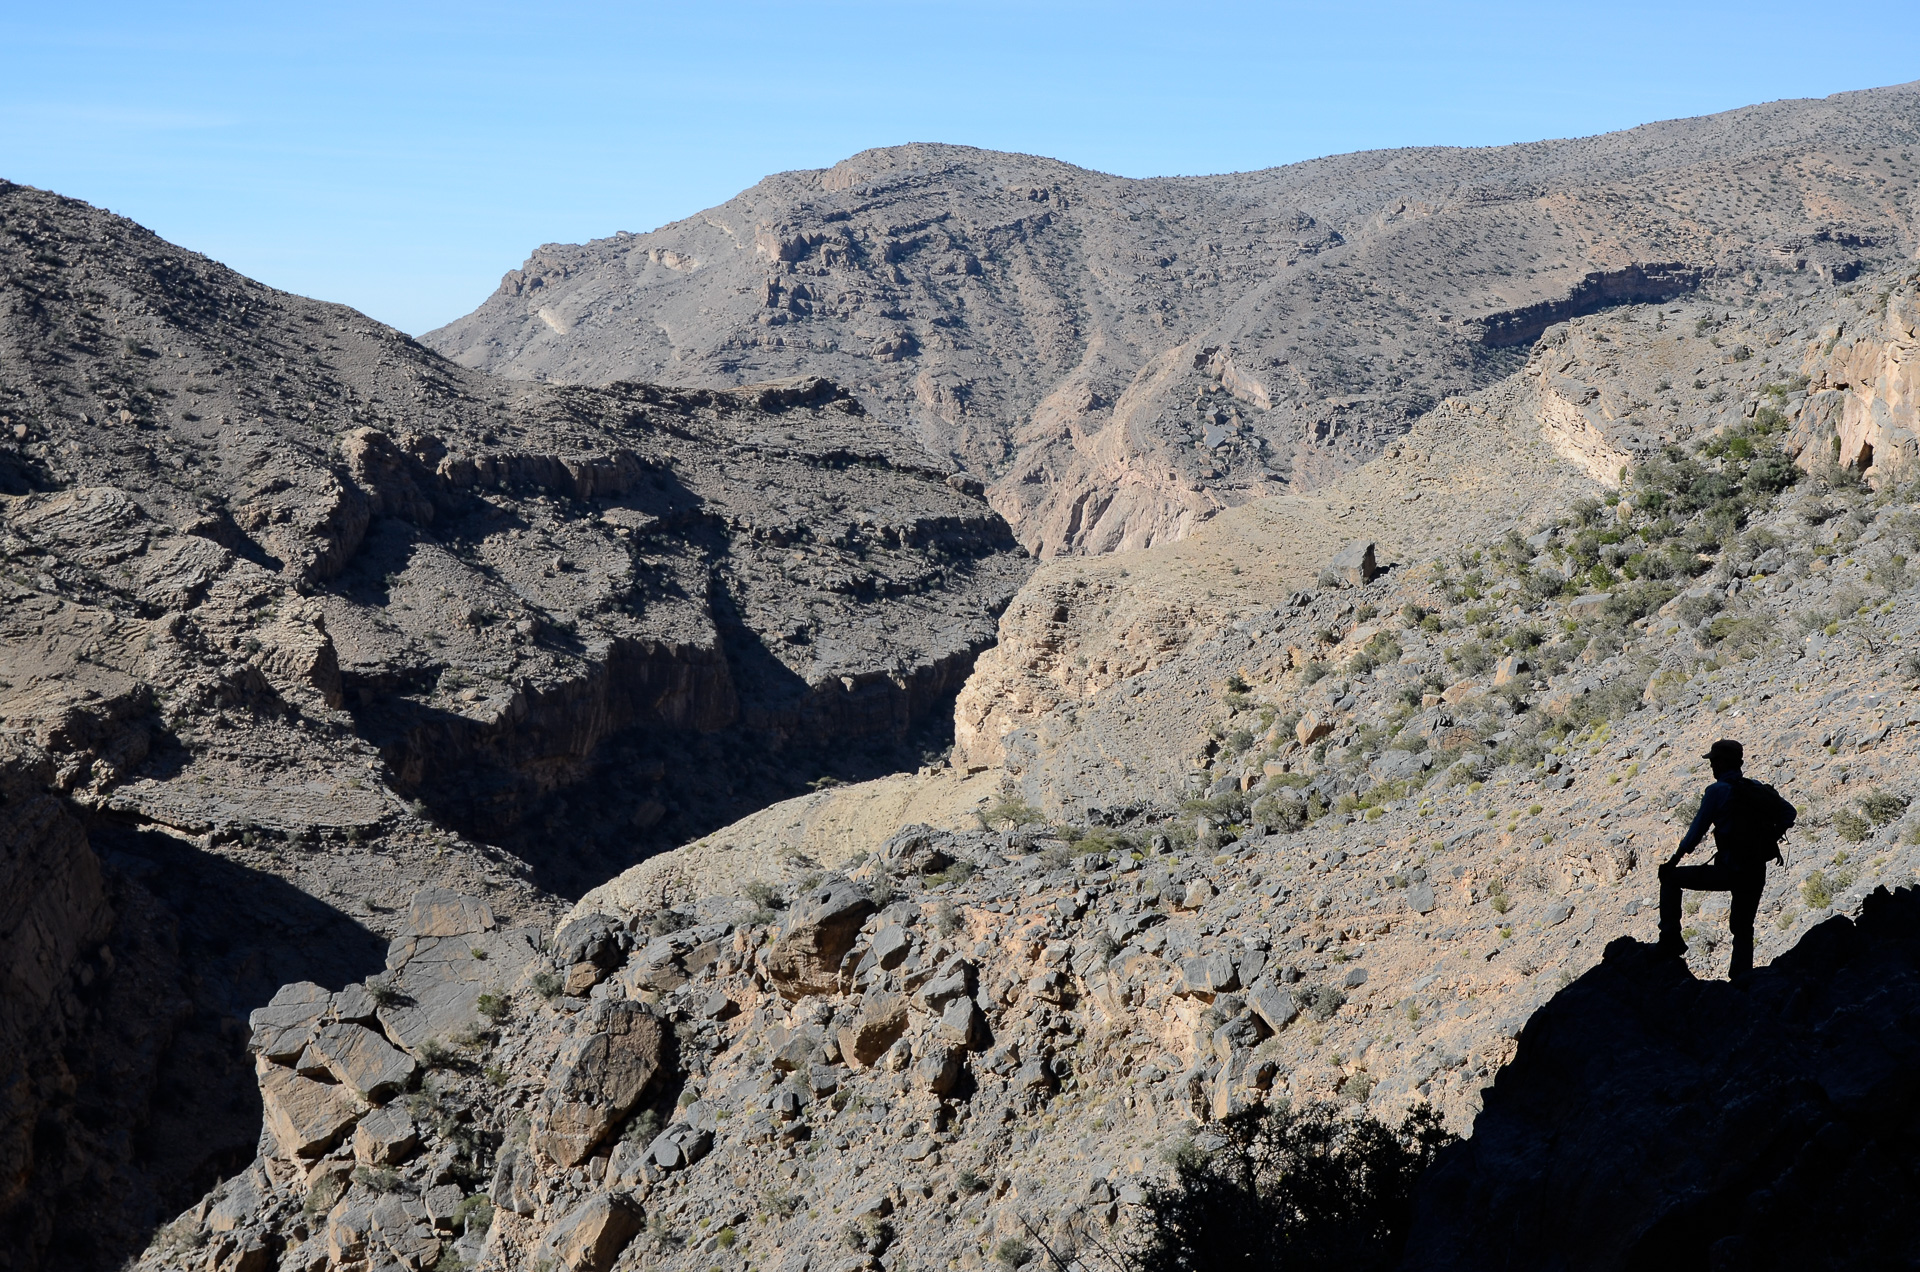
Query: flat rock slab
x=362, y=1060
x=440, y=978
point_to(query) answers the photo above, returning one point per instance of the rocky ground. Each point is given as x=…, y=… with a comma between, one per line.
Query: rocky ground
x=1373, y=818
x=298, y=617
x=1122, y=359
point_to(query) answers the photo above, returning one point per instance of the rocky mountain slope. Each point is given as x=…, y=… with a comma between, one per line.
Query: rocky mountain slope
x=1336, y=825
x=297, y=617
x=1121, y=359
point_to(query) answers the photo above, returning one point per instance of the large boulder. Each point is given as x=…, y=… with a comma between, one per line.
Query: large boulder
x=361, y=1060
x=282, y=1029
x=819, y=931
x=439, y=974
x=597, y=1079
x=1354, y=564
x=592, y=1235
x=306, y=1117
x=882, y=1019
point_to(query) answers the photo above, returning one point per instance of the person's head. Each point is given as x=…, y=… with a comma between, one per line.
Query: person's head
x=1726, y=756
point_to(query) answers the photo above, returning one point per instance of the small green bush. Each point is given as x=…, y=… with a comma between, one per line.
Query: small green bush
x=1851, y=826
x=495, y=1007
x=1816, y=891
x=1882, y=806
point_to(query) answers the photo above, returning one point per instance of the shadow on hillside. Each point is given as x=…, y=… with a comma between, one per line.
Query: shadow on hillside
x=1651, y=1120
x=164, y=1098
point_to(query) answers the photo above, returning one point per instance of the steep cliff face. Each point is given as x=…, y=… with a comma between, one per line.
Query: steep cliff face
x=1124, y=359
x=1862, y=409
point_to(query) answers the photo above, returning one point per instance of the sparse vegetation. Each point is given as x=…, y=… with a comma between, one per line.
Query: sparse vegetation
x=1292, y=1189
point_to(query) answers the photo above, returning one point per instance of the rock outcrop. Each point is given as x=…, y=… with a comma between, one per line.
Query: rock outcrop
x=1862, y=386
x=1648, y=1119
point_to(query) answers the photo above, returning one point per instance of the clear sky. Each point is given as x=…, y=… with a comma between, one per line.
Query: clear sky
x=400, y=157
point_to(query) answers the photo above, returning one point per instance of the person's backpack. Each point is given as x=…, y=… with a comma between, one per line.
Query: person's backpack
x=1760, y=818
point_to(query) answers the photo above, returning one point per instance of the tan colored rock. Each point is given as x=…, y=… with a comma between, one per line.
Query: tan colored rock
x=363, y=1061
x=596, y=1080
x=1460, y=691
x=883, y=1018
x=306, y=1117
x=819, y=932
x=384, y=1137
x=592, y=1235
x=1312, y=727
x=1510, y=669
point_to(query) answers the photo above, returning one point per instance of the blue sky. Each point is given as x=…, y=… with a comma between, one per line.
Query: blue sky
x=401, y=157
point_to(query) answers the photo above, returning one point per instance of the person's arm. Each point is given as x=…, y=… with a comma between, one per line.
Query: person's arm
x=1710, y=806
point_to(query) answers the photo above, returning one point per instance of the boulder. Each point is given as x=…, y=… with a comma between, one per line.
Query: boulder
x=440, y=978
x=306, y=1117
x=1354, y=564
x=679, y=1146
x=963, y=1024
x=819, y=931
x=882, y=1019
x=890, y=946
x=1208, y=974
x=1510, y=669
x=1420, y=898
x=589, y=948
x=1313, y=726
x=283, y=1027
x=1273, y=1005
x=384, y=1137
x=361, y=1060
x=597, y=1079
x=591, y=1235
x=940, y=1069
x=955, y=979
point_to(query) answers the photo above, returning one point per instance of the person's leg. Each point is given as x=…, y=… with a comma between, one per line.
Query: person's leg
x=1745, y=904
x=1674, y=880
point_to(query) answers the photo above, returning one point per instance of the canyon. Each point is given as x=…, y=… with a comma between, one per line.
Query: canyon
x=852, y=730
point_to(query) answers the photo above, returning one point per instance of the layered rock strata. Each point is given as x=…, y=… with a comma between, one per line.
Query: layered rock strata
x=1123, y=359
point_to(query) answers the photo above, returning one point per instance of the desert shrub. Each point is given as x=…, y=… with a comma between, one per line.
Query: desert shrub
x=383, y=993
x=1472, y=656
x=1851, y=826
x=641, y=1128
x=1012, y=811
x=1742, y=633
x=1816, y=891
x=1695, y=610
x=1283, y=814
x=495, y=1007
x=1296, y=1189
x=547, y=984
x=1321, y=1001
x=1882, y=806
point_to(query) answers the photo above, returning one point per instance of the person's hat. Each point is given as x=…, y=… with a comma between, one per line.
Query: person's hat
x=1726, y=753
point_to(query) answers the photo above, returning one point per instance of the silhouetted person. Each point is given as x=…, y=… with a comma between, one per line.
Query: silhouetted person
x=1748, y=818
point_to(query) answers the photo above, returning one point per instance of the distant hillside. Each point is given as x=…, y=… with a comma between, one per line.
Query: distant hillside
x=1122, y=358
